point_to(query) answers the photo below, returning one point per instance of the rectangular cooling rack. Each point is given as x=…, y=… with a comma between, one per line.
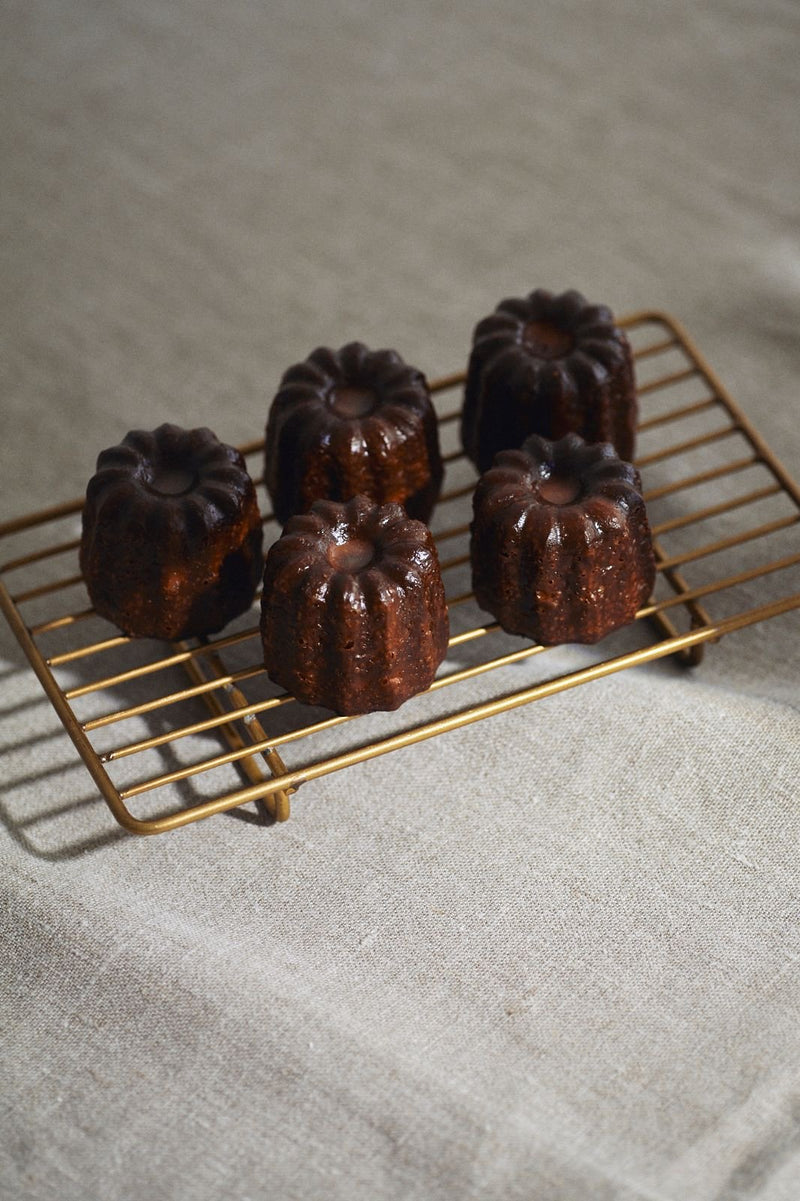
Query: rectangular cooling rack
x=719, y=503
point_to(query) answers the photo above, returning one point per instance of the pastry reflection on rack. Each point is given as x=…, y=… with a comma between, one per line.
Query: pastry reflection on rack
x=721, y=507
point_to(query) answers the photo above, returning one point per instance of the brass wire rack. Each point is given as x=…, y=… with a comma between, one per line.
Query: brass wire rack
x=714, y=490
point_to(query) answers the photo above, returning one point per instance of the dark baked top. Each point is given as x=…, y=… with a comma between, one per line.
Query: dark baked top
x=171, y=542
x=547, y=328
x=560, y=544
x=353, y=610
x=570, y=481
x=369, y=552
x=166, y=479
x=351, y=421
x=559, y=349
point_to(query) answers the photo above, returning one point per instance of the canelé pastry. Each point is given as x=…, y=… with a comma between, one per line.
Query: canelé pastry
x=353, y=421
x=353, y=609
x=561, y=547
x=548, y=365
x=171, y=544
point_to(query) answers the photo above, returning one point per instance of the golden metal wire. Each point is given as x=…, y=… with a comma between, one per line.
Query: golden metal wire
x=239, y=718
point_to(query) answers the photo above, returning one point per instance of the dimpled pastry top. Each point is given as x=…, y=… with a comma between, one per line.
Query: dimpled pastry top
x=352, y=421
x=171, y=543
x=561, y=547
x=353, y=610
x=550, y=365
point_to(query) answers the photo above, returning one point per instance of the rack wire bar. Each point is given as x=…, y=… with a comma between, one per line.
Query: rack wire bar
x=699, y=406
x=233, y=696
x=277, y=802
x=749, y=498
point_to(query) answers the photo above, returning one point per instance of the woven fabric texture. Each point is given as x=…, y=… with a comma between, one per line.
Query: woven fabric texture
x=549, y=957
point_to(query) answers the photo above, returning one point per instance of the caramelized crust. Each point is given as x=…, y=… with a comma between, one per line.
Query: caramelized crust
x=171, y=544
x=561, y=547
x=549, y=365
x=348, y=422
x=353, y=610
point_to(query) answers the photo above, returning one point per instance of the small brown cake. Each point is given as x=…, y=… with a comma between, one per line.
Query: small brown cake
x=561, y=547
x=353, y=421
x=353, y=609
x=548, y=365
x=171, y=544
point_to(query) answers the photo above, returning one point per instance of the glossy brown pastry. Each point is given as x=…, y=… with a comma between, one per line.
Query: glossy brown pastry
x=171, y=544
x=550, y=365
x=561, y=547
x=353, y=609
x=352, y=421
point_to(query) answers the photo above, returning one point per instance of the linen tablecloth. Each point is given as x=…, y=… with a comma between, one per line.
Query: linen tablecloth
x=550, y=956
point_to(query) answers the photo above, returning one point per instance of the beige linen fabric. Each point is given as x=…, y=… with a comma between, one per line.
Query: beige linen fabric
x=553, y=956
